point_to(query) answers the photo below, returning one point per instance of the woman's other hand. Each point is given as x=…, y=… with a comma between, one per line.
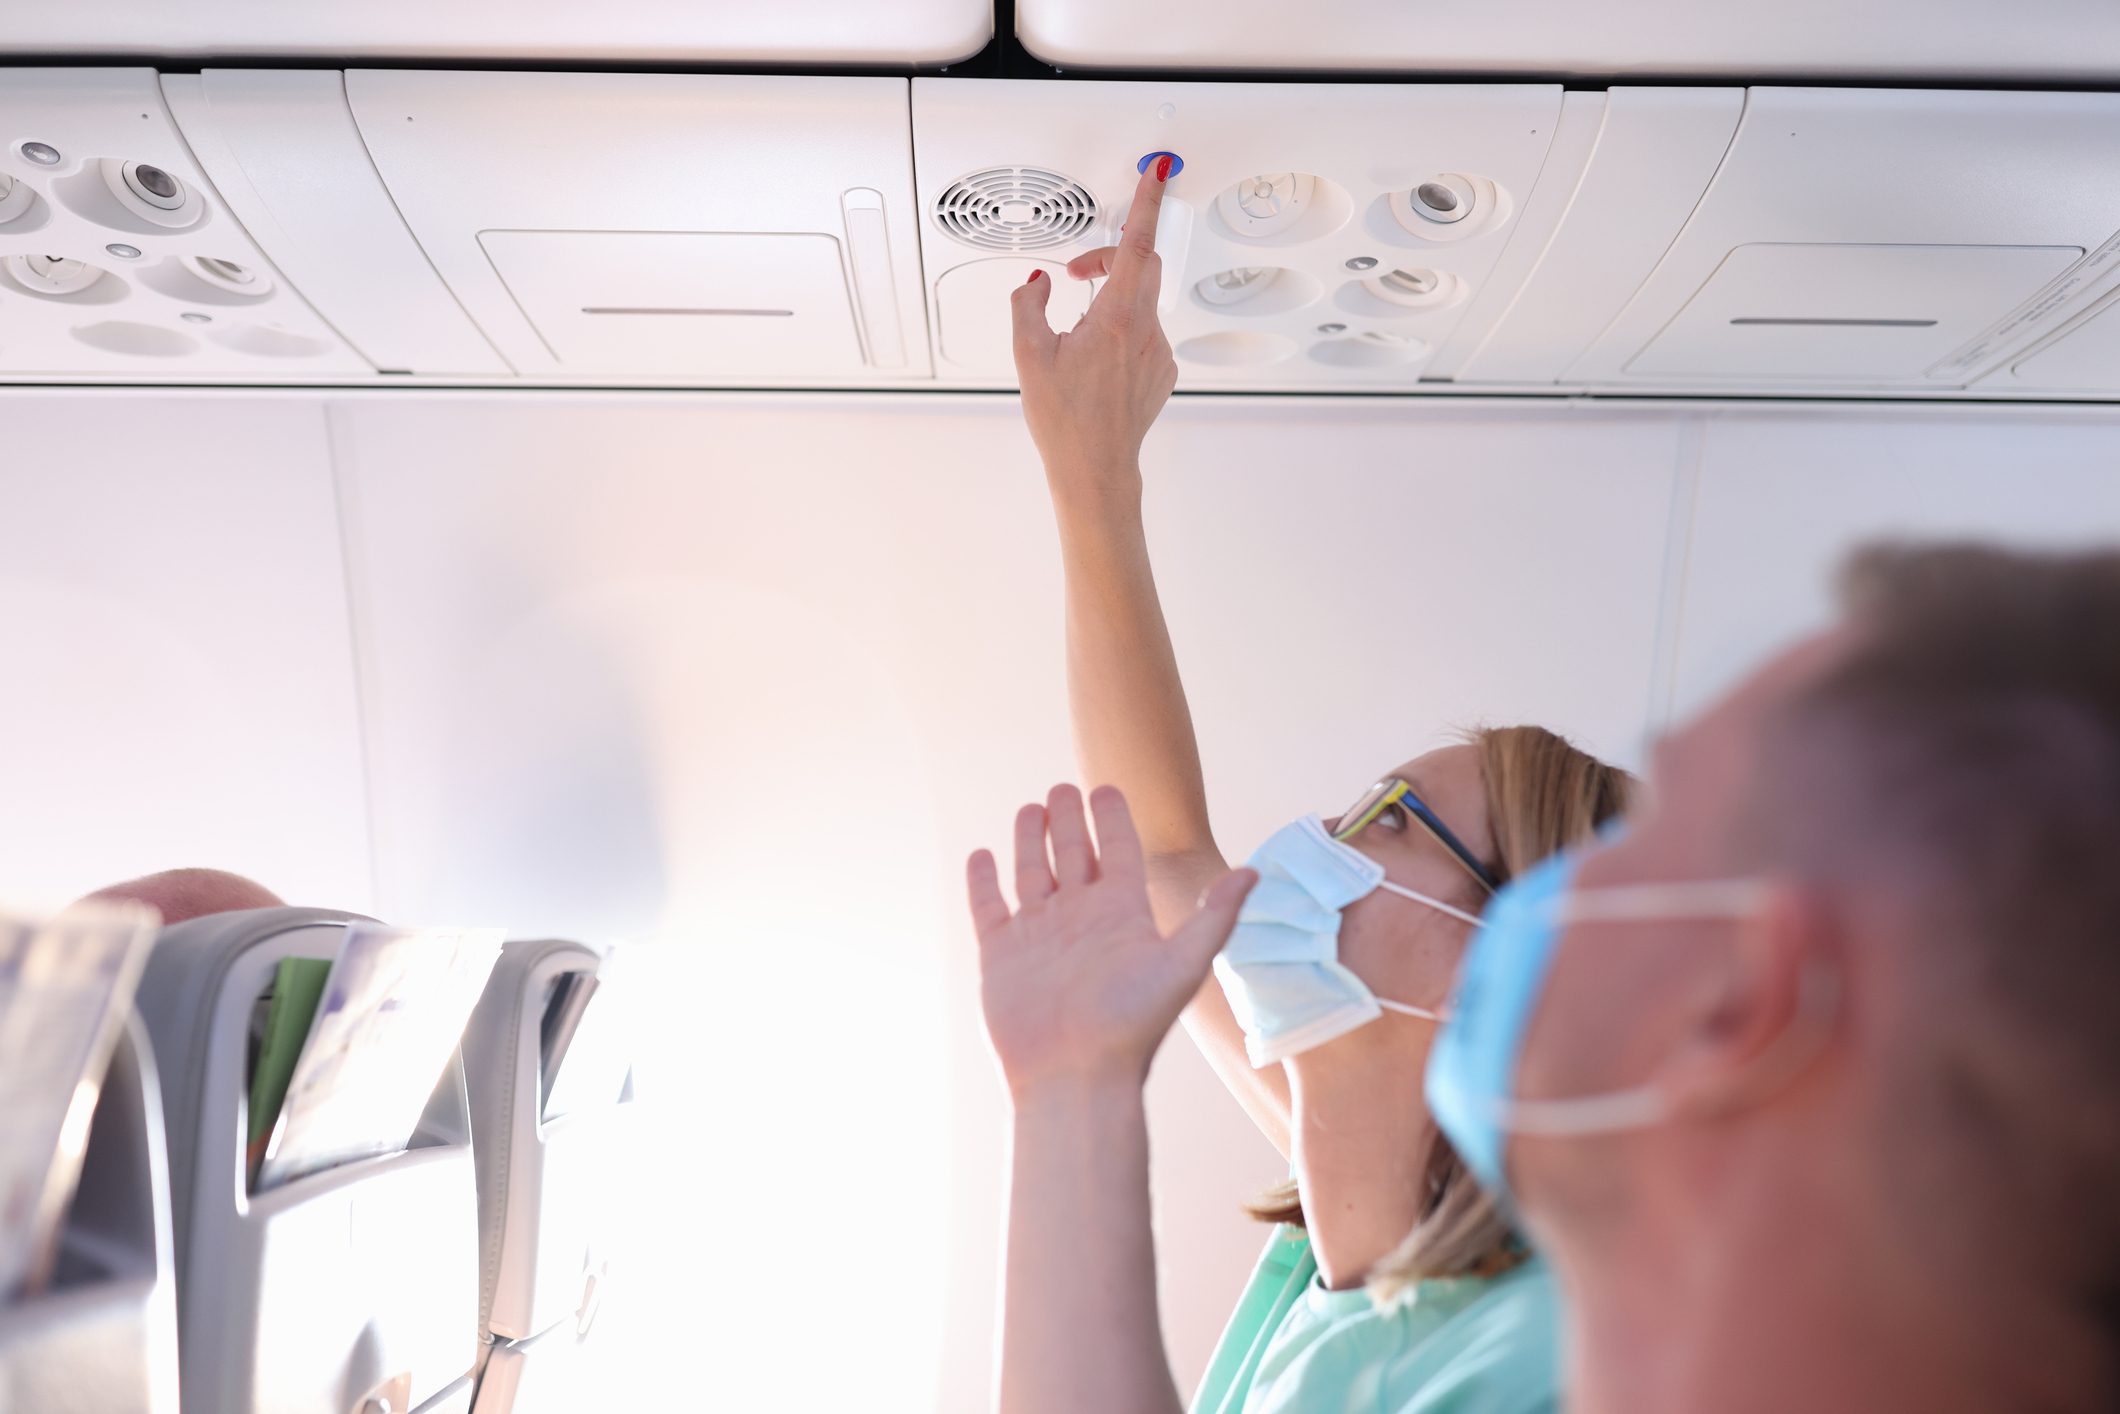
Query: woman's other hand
x=1091, y=394
x=1078, y=983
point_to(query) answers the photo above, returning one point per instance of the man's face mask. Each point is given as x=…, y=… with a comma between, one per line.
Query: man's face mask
x=1473, y=1066
x=1281, y=969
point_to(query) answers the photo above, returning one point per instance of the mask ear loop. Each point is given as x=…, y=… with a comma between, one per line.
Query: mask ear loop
x=1435, y=903
x=1441, y=907
x=1639, y=1108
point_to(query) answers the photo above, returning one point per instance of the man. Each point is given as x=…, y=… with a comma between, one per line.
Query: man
x=179, y=894
x=1815, y=1103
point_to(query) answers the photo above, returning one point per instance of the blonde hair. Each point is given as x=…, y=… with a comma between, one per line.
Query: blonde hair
x=1543, y=794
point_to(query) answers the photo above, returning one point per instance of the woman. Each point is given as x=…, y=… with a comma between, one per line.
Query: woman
x=1393, y=1283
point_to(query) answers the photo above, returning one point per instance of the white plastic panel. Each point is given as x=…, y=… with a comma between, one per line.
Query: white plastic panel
x=1655, y=152
x=173, y=619
x=1782, y=498
x=1575, y=134
x=1855, y=313
x=159, y=283
x=973, y=329
x=1288, y=192
x=682, y=304
x=558, y=31
x=477, y=161
x=2084, y=356
x=1932, y=40
x=283, y=151
x=1855, y=167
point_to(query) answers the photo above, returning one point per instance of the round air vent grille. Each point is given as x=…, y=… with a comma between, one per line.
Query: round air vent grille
x=1016, y=208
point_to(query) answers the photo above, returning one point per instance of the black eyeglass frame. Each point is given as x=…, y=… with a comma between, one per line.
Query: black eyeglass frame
x=1397, y=791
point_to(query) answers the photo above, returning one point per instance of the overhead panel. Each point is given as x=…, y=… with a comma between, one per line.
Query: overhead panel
x=1876, y=238
x=557, y=31
x=663, y=227
x=1653, y=153
x=683, y=230
x=1317, y=235
x=1933, y=41
x=282, y=150
x=704, y=303
x=972, y=332
x=2083, y=356
x=1854, y=313
x=119, y=259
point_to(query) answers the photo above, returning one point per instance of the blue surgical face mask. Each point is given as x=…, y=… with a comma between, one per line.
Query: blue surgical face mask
x=1472, y=1067
x=1281, y=968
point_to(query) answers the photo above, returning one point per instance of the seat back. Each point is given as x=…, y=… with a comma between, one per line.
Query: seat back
x=103, y=1338
x=349, y=1291
x=552, y=1190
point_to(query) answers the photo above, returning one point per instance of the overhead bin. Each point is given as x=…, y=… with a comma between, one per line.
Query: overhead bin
x=662, y=227
x=1923, y=41
x=1867, y=238
x=616, y=32
x=1319, y=235
x=117, y=256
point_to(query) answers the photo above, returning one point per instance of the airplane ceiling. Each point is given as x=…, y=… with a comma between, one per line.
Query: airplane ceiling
x=422, y=227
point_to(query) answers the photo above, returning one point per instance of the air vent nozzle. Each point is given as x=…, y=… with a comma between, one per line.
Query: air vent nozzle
x=1016, y=208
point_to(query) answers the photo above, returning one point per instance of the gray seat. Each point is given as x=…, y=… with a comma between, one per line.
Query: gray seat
x=551, y=1194
x=350, y=1291
x=103, y=1338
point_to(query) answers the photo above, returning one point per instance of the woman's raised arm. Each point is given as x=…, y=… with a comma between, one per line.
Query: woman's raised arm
x=1089, y=397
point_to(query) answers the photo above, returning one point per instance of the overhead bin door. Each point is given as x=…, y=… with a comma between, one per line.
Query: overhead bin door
x=613, y=32
x=1932, y=41
x=663, y=228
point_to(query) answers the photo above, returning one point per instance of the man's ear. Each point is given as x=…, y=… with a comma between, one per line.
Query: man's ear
x=1760, y=1014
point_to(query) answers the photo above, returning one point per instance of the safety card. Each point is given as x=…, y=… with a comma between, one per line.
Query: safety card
x=393, y=1011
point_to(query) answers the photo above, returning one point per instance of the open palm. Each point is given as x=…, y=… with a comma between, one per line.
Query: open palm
x=1078, y=981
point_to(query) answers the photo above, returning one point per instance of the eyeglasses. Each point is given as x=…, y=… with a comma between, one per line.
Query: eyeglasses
x=1396, y=793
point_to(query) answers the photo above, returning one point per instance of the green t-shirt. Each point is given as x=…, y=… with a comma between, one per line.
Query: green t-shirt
x=1461, y=1345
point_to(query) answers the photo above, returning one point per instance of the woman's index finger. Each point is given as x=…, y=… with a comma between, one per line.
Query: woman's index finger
x=1138, y=239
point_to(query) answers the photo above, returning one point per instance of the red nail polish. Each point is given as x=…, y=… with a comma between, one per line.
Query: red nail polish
x=1162, y=169
x=1035, y=276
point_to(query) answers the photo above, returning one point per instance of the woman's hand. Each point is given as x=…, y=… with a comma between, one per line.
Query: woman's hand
x=1091, y=394
x=1079, y=984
